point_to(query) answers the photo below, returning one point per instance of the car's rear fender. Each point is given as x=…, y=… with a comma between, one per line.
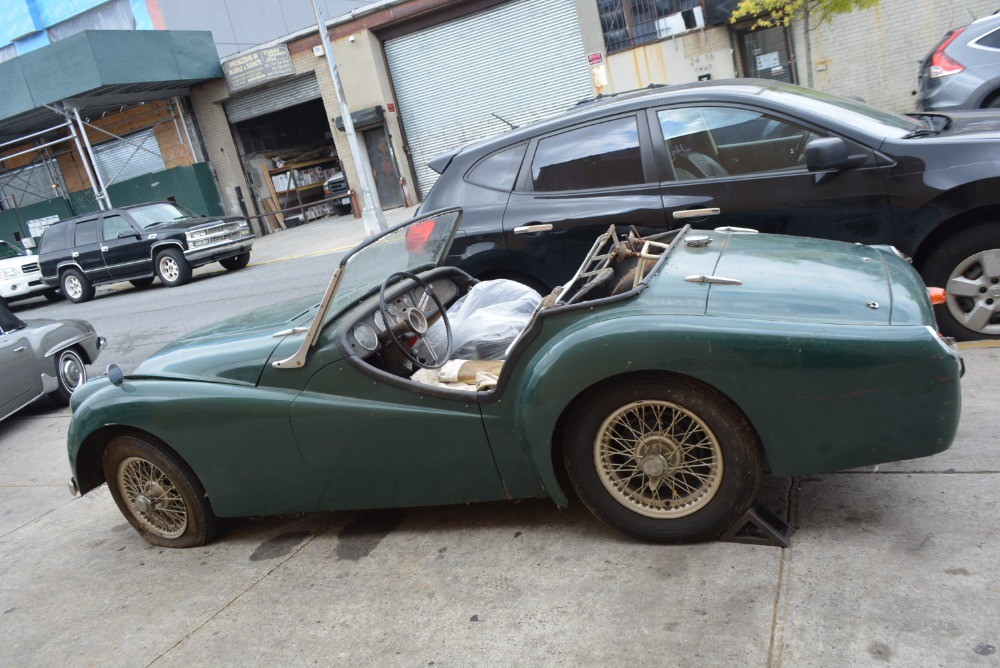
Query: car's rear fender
x=236, y=438
x=820, y=397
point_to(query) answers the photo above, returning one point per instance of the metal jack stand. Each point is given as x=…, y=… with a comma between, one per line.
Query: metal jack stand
x=759, y=526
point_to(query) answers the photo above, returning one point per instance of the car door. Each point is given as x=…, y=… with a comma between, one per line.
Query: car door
x=126, y=256
x=372, y=444
x=727, y=165
x=86, y=251
x=574, y=184
x=21, y=381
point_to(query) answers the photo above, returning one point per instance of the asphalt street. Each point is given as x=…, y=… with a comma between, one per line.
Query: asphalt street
x=892, y=565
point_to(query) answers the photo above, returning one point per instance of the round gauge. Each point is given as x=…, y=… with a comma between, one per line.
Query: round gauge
x=379, y=321
x=365, y=336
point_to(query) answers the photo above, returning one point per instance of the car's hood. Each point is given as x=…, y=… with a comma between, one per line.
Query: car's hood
x=231, y=351
x=189, y=224
x=799, y=279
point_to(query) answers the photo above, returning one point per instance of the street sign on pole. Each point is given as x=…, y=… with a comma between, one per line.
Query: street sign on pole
x=371, y=213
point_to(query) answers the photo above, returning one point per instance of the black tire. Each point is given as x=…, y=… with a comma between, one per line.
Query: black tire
x=71, y=372
x=53, y=295
x=993, y=103
x=343, y=210
x=172, y=268
x=142, y=282
x=972, y=309
x=236, y=263
x=191, y=522
x=75, y=286
x=708, y=503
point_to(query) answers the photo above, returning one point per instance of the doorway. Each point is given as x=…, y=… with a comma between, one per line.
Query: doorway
x=767, y=54
x=390, y=192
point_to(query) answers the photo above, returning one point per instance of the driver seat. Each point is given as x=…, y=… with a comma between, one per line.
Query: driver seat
x=699, y=164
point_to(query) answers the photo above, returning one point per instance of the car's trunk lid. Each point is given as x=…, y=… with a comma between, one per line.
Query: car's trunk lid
x=799, y=279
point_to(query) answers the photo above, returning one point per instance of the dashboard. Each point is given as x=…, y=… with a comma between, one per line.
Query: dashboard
x=370, y=332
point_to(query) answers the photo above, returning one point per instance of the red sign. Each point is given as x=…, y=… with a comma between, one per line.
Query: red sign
x=595, y=59
x=391, y=107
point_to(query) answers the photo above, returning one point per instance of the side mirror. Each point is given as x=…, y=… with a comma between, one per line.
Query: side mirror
x=830, y=153
x=128, y=234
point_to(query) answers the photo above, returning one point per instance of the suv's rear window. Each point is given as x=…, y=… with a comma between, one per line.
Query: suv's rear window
x=601, y=155
x=990, y=40
x=53, y=239
x=87, y=232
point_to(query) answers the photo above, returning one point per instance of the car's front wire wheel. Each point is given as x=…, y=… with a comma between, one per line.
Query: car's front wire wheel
x=663, y=459
x=158, y=493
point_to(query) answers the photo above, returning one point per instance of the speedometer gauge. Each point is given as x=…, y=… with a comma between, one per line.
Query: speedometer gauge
x=365, y=336
x=379, y=321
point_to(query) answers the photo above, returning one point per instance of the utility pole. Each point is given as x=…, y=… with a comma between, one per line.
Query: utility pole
x=372, y=214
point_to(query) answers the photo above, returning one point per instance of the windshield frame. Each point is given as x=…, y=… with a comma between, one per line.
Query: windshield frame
x=321, y=319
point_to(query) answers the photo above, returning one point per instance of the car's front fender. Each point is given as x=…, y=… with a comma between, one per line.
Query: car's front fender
x=236, y=438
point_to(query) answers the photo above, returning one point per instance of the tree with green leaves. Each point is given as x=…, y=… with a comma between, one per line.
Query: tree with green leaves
x=771, y=13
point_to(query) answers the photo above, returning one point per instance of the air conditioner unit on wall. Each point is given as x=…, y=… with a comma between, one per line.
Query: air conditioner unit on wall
x=675, y=24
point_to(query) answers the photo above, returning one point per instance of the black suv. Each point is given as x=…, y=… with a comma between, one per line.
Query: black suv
x=744, y=153
x=136, y=244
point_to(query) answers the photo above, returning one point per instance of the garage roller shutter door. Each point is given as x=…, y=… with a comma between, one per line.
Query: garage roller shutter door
x=523, y=61
x=119, y=160
x=273, y=98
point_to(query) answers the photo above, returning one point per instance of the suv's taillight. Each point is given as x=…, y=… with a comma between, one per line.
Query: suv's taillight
x=941, y=64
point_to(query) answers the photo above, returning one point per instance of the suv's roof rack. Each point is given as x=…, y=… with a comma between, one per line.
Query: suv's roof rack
x=609, y=96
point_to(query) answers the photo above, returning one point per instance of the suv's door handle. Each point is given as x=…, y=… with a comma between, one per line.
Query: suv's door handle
x=697, y=213
x=76, y=254
x=104, y=248
x=20, y=350
x=533, y=229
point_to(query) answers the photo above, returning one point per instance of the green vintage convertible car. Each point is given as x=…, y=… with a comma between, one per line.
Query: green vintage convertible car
x=663, y=379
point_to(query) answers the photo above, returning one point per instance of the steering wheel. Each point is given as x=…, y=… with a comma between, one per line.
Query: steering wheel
x=415, y=322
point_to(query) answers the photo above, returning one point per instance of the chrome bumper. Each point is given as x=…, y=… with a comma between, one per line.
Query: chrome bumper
x=222, y=250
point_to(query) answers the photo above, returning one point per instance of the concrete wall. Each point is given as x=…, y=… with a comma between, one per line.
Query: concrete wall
x=875, y=53
x=673, y=61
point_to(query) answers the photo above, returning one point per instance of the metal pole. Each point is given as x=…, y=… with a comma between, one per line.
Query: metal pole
x=20, y=140
x=103, y=194
x=372, y=214
x=86, y=165
x=187, y=133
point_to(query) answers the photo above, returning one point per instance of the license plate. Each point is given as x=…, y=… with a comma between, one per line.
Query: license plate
x=345, y=201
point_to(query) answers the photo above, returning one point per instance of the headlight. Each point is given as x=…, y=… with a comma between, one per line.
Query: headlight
x=9, y=273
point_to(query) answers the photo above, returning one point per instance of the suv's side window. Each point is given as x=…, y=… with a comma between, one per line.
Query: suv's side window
x=715, y=142
x=500, y=169
x=115, y=224
x=601, y=155
x=87, y=232
x=990, y=40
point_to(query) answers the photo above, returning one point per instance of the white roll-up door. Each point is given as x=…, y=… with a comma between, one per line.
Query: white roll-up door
x=120, y=160
x=522, y=61
x=275, y=97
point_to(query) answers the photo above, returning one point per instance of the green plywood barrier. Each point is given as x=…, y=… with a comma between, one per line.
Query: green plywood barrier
x=193, y=186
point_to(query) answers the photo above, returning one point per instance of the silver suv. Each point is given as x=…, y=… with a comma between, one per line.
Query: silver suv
x=963, y=70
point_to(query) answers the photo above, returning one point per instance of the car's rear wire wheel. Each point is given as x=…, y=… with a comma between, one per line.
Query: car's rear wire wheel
x=158, y=493
x=662, y=458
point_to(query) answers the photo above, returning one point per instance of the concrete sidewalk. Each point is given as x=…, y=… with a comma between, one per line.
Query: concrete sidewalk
x=892, y=565
x=326, y=235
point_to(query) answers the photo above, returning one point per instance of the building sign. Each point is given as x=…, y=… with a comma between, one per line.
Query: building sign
x=595, y=59
x=768, y=61
x=257, y=67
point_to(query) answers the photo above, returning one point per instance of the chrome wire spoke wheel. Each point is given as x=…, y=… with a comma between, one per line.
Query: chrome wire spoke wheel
x=73, y=287
x=974, y=292
x=169, y=269
x=658, y=459
x=152, y=498
x=72, y=372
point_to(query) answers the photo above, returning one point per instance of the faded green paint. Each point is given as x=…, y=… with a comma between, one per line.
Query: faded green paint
x=824, y=389
x=14, y=222
x=93, y=59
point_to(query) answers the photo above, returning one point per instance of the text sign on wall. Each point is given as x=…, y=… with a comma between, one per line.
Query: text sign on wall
x=254, y=68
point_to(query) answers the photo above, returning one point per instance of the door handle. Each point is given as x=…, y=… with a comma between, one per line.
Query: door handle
x=104, y=248
x=697, y=213
x=533, y=229
x=20, y=350
x=75, y=254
